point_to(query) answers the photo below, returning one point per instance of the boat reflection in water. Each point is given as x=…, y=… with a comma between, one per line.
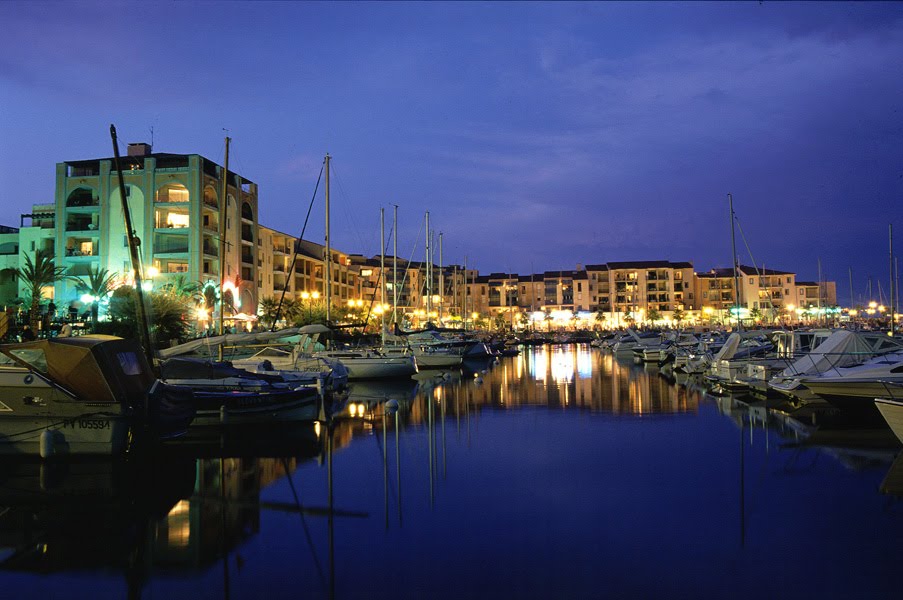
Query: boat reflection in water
x=490, y=480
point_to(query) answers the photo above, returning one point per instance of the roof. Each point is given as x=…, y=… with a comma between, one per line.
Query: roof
x=746, y=269
x=160, y=157
x=649, y=264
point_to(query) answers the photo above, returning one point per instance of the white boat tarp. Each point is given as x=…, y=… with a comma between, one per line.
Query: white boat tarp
x=210, y=344
x=842, y=349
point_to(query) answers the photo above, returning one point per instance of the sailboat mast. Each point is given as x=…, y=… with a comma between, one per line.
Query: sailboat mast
x=395, y=264
x=734, y=262
x=327, y=284
x=464, y=300
x=893, y=298
x=428, y=269
x=382, y=274
x=441, y=279
x=135, y=257
x=222, y=247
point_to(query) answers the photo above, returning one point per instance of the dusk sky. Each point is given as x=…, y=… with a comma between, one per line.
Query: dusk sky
x=538, y=135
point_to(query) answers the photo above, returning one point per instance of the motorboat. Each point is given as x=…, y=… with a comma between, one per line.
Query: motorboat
x=88, y=394
x=855, y=388
x=892, y=411
x=842, y=349
x=632, y=340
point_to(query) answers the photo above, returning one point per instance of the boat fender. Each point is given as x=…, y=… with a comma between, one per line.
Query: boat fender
x=222, y=414
x=483, y=371
x=47, y=447
x=478, y=380
x=446, y=376
x=391, y=406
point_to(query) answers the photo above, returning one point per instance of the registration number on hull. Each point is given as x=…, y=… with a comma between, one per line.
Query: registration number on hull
x=86, y=424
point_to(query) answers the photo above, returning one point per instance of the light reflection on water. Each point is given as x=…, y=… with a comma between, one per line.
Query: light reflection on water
x=539, y=476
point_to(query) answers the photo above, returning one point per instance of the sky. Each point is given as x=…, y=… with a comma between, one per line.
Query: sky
x=539, y=136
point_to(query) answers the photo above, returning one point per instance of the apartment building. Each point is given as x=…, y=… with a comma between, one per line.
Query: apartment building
x=176, y=206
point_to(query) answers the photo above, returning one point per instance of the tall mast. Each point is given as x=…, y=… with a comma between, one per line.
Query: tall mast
x=429, y=271
x=820, y=294
x=441, y=279
x=395, y=264
x=455, y=287
x=222, y=247
x=852, y=301
x=466, y=289
x=736, y=266
x=382, y=273
x=327, y=284
x=135, y=257
x=893, y=298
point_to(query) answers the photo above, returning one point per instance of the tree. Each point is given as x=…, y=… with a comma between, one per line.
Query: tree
x=99, y=285
x=524, y=320
x=180, y=285
x=653, y=315
x=678, y=315
x=167, y=315
x=629, y=318
x=756, y=315
x=266, y=310
x=599, y=317
x=500, y=321
x=547, y=317
x=36, y=275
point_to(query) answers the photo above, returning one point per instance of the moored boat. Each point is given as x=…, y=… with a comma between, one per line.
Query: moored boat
x=84, y=395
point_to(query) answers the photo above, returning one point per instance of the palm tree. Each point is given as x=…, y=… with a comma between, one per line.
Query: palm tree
x=653, y=315
x=600, y=315
x=755, y=314
x=678, y=315
x=180, y=285
x=266, y=309
x=99, y=285
x=166, y=313
x=36, y=275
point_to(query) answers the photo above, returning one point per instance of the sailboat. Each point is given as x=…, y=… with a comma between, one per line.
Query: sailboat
x=369, y=363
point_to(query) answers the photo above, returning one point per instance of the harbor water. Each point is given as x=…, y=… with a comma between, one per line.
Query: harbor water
x=559, y=473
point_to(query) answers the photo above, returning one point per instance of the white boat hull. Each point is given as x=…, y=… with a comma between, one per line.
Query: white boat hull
x=32, y=408
x=892, y=411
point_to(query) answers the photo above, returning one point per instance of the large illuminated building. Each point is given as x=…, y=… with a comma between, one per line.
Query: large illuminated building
x=177, y=210
x=176, y=207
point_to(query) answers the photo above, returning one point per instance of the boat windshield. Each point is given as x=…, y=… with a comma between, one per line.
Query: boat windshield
x=33, y=357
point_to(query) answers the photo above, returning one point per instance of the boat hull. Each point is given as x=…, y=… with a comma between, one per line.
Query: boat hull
x=892, y=411
x=32, y=408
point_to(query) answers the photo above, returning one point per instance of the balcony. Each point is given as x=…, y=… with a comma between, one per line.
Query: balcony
x=82, y=224
x=170, y=244
x=247, y=258
x=82, y=248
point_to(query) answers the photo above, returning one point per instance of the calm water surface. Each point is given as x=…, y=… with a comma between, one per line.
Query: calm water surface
x=560, y=473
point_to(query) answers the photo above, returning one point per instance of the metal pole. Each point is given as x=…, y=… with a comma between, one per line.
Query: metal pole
x=395, y=265
x=441, y=279
x=327, y=291
x=429, y=271
x=736, y=266
x=135, y=257
x=890, y=234
x=382, y=274
x=222, y=248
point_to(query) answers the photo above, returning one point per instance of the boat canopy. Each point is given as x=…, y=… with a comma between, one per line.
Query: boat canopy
x=99, y=368
x=843, y=348
x=210, y=344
